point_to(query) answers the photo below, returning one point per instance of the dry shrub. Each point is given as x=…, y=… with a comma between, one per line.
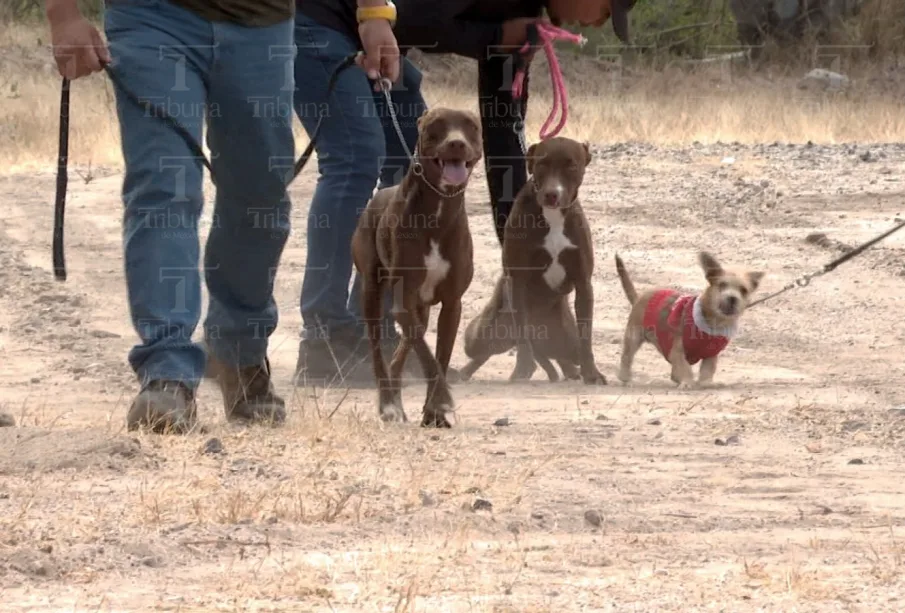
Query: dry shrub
x=881, y=25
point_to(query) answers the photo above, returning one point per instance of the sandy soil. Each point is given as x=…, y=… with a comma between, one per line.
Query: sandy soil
x=611, y=498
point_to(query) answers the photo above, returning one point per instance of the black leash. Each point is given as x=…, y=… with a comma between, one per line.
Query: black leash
x=805, y=280
x=59, y=260
x=520, y=62
x=59, y=207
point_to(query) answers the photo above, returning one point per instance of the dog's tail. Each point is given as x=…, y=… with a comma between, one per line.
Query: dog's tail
x=627, y=286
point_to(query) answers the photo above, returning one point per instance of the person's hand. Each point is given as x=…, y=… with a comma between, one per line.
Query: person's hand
x=515, y=31
x=381, y=51
x=78, y=47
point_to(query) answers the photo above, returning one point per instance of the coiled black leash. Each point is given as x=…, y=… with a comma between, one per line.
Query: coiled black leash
x=59, y=211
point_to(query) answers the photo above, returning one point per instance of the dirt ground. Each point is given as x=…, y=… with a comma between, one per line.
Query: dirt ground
x=779, y=489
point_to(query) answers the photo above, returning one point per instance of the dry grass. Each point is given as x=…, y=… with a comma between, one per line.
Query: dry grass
x=673, y=105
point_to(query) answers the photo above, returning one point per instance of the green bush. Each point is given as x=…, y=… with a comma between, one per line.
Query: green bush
x=680, y=27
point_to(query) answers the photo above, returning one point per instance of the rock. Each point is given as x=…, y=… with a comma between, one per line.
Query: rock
x=729, y=440
x=427, y=498
x=213, y=446
x=654, y=422
x=857, y=461
x=34, y=563
x=820, y=79
x=502, y=422
x=104, y=334
x=593, y=517
x=145, y=555
x=7, y=420
x=853, y=425
x=481, y=504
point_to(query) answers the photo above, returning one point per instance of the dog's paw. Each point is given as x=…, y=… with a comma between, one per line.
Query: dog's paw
x=392, y=412
x=625, y=377
x=687, y=385
x=437, y=416
x=594, y=377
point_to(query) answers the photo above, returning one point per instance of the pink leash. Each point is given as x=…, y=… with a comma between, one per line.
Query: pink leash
x=549, y=33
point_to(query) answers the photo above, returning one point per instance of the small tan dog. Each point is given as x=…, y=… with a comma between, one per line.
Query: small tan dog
x=686, y=329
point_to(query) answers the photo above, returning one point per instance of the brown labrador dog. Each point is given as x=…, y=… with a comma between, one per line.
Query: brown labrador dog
x=547, y=254
x=415, y=237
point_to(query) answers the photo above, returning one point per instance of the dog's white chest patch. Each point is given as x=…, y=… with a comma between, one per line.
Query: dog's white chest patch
x=436, y=270
x=555, y=243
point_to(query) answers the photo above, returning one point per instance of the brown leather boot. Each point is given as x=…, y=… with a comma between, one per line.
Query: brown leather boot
x=248, y=393
x=163, y=407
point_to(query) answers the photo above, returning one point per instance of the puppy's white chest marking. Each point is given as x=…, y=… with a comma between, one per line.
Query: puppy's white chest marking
x=555, y=243
x=437, y=267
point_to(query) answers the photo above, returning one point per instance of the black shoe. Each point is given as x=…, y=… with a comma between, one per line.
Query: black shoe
x=248, y=393
x=338, y=362
x=164, y=407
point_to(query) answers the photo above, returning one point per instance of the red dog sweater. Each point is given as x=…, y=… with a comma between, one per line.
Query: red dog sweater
x=668, y=311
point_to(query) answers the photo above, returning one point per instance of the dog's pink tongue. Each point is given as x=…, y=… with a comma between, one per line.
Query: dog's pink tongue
x=455, y=173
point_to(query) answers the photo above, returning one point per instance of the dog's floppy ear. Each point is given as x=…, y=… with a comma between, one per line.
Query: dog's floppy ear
x=529, y=158
x=712, y=268
x=754, y=278
x=474, y=118
x=587, y=152
x=424, y=117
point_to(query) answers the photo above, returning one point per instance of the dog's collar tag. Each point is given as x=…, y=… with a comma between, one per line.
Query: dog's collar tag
x=700, y=321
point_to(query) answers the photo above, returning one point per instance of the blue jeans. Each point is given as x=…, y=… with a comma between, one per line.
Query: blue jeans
x=236, y=79
x=357, y=146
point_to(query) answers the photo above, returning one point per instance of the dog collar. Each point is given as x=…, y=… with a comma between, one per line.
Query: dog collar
x=418, y=170
x=700, y=321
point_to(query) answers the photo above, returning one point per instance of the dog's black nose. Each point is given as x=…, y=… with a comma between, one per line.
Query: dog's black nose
x=729, y=305
x=456, y=147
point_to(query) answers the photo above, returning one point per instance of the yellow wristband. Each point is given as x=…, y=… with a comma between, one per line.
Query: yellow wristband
x=387, y=12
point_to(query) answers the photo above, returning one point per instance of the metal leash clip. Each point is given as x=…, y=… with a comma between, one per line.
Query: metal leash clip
x=386, y=87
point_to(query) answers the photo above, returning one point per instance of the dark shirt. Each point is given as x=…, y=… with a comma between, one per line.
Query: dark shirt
x=462, y=27
x=254, y=13
x=466, y=28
